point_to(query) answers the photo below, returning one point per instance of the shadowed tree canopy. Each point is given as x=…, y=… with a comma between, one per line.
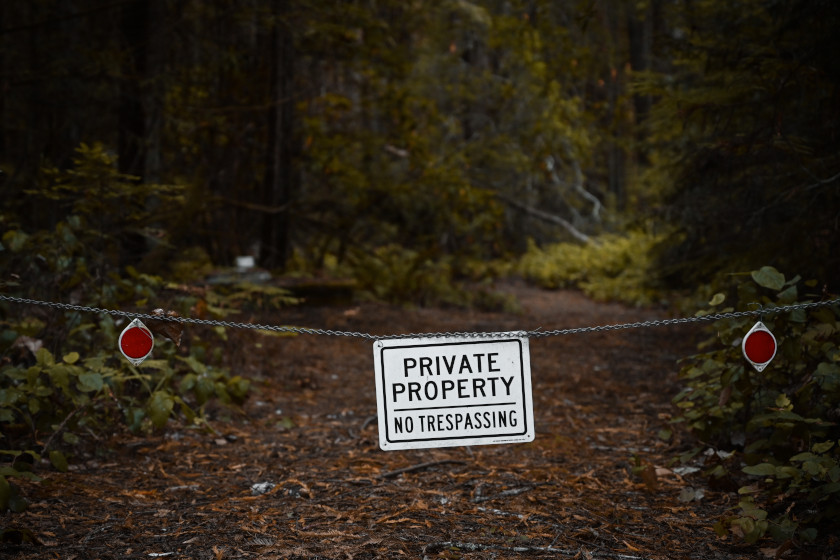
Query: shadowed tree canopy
x=304, y=132
x=745, y=135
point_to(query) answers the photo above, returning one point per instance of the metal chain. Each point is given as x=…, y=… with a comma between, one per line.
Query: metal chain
x=537, y=333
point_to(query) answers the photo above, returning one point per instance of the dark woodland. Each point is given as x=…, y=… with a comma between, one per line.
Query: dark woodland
x=389, y=167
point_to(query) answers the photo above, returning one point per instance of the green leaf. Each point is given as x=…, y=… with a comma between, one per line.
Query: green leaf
x=89, y=382
x=763, y=469
x=747, y=524
x=60, y=376
x=134, y=417
x=188, y=383
x=160, y=407
x=203, y=388
x=720, y=529
x=194, y=364
x=238, y=387
x=813, y=468
x=188, y=412
x=769, y=277
x=34, y=406
x=70, y=438
x=787, y=472
x=71, y=358
x=10, y=396
x=788, y=296
x=11, y=471
x=798, y=316
x=44, y=357
x=717, y=299
x=58, y=460
x=15, y=240
x=828, y=376
x=822, y=447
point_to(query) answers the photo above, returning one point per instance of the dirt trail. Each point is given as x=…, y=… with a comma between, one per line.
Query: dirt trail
x=299, y=473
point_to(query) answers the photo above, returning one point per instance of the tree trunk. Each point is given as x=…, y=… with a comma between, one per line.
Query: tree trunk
x=640, y=35
x=132, y=117
x=280, y=174
x=131, y=148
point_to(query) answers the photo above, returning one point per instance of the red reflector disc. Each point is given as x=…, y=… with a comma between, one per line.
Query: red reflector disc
x=136, y=342
x=760, y=347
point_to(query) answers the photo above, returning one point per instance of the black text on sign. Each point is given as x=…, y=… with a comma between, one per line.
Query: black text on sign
x=440, y=392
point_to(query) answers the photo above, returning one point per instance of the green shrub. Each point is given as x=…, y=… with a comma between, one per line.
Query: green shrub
x=611, y=267
x=399, y=275
x=781, y=423
x=63, y=381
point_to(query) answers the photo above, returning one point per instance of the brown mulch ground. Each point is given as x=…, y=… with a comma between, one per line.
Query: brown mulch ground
x=299, y=474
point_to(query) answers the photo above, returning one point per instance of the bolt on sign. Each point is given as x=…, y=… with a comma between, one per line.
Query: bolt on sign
x=442, y=392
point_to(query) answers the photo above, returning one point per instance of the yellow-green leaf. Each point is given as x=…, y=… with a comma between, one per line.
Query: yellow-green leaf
x=822, y=447
x=762, y=469
x=159, y=408
x=71, y=358
x=58, y=460
x=769, y=277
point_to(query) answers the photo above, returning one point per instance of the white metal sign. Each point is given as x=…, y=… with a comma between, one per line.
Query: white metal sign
x=441, y=392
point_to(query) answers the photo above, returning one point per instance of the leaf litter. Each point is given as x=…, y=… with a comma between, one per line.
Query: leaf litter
x=300, y=473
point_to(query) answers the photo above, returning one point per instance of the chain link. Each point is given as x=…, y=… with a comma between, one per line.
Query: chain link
x=537, y=333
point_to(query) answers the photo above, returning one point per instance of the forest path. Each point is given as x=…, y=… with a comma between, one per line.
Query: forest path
x=299, y=473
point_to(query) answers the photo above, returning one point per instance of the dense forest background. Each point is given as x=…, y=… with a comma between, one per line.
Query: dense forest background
x=676, y=151
x=691, y=137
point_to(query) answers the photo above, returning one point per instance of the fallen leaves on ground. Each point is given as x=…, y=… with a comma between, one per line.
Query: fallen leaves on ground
x=298, y=472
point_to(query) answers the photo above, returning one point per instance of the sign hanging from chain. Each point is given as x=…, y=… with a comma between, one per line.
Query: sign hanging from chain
x=448, y=391
x=759, y=346
x=136, y=342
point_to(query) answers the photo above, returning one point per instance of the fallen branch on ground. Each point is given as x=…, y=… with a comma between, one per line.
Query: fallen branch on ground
x=433, y=548
x=419, y=467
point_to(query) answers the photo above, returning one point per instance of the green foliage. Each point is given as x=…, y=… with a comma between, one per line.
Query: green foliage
x=395, y=274
x=783, y=421
x=62, y=379
x=743, y=149
x=611, y=267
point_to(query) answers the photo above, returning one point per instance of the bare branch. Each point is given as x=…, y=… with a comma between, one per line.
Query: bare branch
x=433, y=548
x=545, y=216
x=579, y=182
x=419, y=467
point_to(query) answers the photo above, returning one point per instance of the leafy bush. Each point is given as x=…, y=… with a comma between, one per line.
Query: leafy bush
x=399, y=275
x=62, y=379
x=781, y=423
x=611, y=267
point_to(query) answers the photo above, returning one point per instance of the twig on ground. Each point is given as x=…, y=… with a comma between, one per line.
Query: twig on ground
x=433, y=548
x=419, y=467
x=504, y=494
x=500, y=512
x=367, y=422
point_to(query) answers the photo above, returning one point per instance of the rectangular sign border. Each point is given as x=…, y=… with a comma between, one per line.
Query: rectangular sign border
x=481, y=439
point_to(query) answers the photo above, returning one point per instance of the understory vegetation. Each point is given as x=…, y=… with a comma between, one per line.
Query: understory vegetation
x=776, y=432
x=63, y=383
x=652, y=153
x=608, y=268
